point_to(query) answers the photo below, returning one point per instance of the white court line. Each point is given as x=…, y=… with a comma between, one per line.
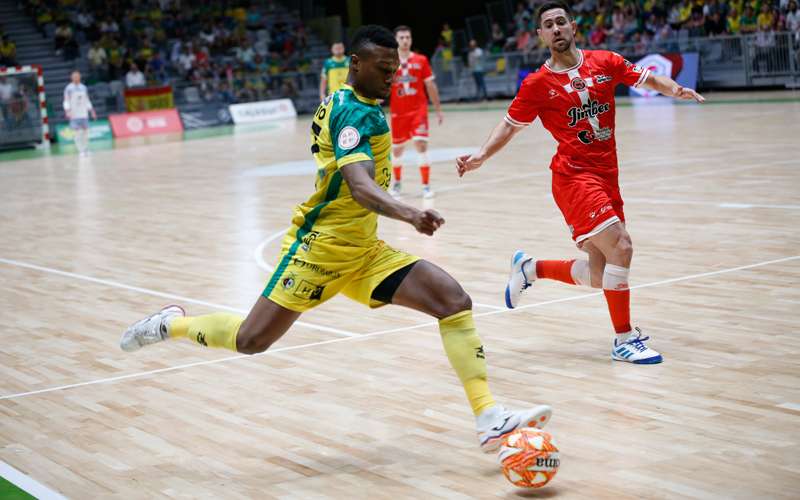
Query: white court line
x=163, y=295
x=385, y=332
x=657, y=201
x=258, y=255
x=27, y=483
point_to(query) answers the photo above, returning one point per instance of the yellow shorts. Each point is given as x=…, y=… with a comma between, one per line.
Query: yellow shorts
x=315, y=267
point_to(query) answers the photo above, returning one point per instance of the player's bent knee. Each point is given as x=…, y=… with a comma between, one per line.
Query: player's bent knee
x=253, y=342
x=455, y=303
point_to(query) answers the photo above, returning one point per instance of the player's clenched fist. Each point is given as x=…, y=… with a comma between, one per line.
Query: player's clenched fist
x=427, y=221
x=466, y=163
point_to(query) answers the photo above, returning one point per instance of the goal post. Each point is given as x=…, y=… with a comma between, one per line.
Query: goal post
x=23, y=107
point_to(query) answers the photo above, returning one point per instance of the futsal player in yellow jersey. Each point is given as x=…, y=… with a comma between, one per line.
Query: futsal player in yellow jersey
x=332, y=247
x=334, y=71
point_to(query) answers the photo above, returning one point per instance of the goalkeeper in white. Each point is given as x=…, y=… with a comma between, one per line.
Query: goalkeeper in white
x=77, y=107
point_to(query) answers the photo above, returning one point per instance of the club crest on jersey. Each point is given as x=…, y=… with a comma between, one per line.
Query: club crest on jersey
x=578, y=84
x=589, y=110
x=348, y=138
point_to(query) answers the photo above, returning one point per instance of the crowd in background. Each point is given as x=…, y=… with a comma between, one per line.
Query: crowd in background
x=232, y=50
x=638, y=25
x=8, y=49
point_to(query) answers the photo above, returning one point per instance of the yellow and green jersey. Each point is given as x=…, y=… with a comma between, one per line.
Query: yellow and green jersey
x=347, y=128
x=335, y=72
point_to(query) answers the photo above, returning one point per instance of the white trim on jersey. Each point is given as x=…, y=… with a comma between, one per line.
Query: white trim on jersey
x=585, y=97
x=642, y=78
x=432, y=77
x=513, y=122
x=578, y=65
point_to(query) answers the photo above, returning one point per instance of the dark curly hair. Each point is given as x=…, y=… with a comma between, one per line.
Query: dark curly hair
x=372, y=34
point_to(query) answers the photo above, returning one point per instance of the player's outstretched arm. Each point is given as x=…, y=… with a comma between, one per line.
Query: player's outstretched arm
x=499, y=137
x=670, y=87
x=360, y=178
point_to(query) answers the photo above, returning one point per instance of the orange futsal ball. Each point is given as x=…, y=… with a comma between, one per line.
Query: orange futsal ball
x=529, y=458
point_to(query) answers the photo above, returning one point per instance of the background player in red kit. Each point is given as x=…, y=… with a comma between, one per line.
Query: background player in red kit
x=413, y=83
x=573, y=94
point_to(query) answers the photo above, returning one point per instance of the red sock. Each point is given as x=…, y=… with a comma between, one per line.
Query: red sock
x=619, y=307
x=559, y=270
x=425, y=173
x=398, y=172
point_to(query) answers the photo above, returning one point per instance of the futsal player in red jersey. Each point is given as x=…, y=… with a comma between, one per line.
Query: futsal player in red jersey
x=573, y=95
x=413, y=83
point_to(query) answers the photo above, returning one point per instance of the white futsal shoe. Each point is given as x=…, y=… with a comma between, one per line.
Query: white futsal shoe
x=396, y=189
x=633, y=350
x=496, y=422
x=150, y=330
x=518, y=281
x=427, y=192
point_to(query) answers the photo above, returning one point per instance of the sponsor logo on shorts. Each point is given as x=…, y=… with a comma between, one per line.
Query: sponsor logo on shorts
x=479, y=353
x=201, y=339
x=288, y=282
x=309, y=291
x=589, y=110
x=597, y=213
x=316, y=268
x=571, y=229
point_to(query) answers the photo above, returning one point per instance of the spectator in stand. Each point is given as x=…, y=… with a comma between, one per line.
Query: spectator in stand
x=714, y=24
x=765, y=47
x=245, y=54
x=134, y=77
x=793, y=21
x=109, y=25
x=766, y=19
x=8, y=52
x=696, y=23
x=476, y=66
x=157, y=69
x=522, y=18
x=733, y=22
x=98, y=62
x=499, y=39
x=62, y=35
x=597, y=37
x=186, y=63
x=748, y=23
x=447, y=34
x=254, y=19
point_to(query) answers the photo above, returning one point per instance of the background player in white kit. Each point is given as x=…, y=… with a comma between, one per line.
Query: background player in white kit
x=77, y=107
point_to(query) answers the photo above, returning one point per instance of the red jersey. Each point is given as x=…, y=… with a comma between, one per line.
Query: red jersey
x=577, y=106
x=408, y=87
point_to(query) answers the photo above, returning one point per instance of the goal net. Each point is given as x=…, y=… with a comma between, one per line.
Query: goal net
x=23, y=112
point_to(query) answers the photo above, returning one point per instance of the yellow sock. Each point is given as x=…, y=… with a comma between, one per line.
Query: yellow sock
x=212, y=330
x=465, y=351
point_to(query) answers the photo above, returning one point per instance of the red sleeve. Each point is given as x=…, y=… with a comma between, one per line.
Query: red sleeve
x=626, y=72
x=427, y=74
x=525, y=107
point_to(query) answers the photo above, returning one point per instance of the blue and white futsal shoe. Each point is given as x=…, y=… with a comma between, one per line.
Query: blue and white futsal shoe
x=633, y=350
x=518, y=281
x=496, y=422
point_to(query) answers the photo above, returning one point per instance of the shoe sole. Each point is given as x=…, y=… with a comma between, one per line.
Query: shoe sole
x=539, y=419
x=508, y=289
x=649, y=361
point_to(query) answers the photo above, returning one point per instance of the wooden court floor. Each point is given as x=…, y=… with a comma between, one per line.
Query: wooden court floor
x=357, y=403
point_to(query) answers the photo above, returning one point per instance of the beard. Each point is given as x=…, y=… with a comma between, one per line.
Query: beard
x=566, y=46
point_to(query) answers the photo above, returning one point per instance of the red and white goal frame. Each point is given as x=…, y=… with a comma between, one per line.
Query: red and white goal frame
x=34, y=68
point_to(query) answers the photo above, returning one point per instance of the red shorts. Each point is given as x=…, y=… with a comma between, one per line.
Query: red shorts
x=409, y=126
x=590, y=203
